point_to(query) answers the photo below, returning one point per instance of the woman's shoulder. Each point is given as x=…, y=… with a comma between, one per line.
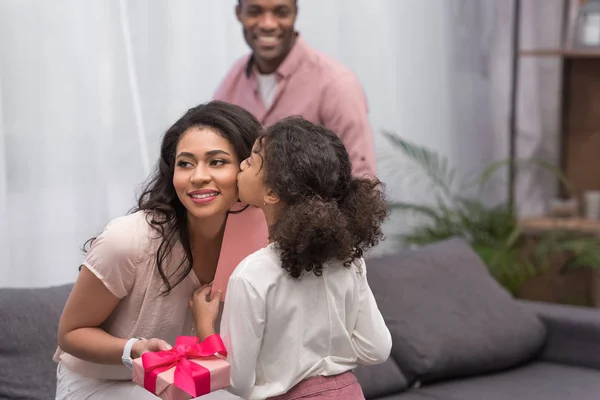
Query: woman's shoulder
x=128, y=227
x=129, y=235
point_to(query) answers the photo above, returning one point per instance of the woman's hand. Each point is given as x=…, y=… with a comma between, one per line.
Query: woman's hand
x=145, y=345
x=205, y=309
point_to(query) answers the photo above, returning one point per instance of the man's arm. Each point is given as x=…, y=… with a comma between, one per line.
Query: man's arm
x=344, y=111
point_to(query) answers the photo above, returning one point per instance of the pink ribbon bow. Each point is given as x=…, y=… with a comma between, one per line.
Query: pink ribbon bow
x=190, y=377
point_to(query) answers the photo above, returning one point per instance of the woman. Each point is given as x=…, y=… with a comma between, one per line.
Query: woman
x=132, y=293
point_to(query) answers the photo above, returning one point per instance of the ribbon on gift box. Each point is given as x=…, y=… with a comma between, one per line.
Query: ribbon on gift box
x=190, y=377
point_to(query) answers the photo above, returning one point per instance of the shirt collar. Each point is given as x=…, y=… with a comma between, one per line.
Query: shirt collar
x=291, y=61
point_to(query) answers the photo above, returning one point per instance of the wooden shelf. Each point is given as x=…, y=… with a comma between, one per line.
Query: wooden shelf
x=537, y=225
x=565, y=53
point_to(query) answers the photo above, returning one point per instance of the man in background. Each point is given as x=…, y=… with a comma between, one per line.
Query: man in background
x=283, y=76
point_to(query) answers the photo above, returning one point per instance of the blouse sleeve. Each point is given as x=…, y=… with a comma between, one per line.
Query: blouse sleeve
x=371, y=338
x=112, y=257
x=242, y=327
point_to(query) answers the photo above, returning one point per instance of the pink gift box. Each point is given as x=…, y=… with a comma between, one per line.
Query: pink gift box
x=200, y=375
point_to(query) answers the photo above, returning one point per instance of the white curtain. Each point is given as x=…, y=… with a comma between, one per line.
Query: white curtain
x=538, y=96
x=88, y=87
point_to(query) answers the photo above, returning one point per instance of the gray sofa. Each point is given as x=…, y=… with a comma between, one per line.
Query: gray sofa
x=567, y=368
x=457, y=336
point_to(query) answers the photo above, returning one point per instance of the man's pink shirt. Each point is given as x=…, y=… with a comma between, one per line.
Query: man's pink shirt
x=312, y=85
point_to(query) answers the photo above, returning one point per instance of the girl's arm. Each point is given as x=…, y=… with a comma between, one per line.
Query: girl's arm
x=242, y=327
x=371, y=338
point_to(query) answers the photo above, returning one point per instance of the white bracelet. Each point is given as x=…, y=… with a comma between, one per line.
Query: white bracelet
x=126, y=357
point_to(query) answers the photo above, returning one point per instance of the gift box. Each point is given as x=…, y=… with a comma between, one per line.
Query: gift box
x=190, y=369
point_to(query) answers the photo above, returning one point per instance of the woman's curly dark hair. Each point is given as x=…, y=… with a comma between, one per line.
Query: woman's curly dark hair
x=164, y=211
x=327, y=213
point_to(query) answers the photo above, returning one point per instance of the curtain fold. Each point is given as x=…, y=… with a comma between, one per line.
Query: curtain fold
x=88, y=88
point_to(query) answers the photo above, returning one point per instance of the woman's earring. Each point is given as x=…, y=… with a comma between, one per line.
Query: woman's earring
x=265, y=203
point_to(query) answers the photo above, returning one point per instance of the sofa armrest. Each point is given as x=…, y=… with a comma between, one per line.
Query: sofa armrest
x=573, y=333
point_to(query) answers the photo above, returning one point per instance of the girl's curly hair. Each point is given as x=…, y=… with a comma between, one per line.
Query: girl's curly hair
x=327, y=213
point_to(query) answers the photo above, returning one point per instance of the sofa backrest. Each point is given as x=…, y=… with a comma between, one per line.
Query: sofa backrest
x=381, y=380
x=448, y=316
x=28, y=328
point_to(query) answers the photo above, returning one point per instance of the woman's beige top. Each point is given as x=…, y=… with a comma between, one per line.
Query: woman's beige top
x=123, y=258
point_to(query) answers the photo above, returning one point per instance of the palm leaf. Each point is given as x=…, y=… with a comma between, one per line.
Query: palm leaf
x=505, y=266
x=423, y=210
x=424, y=235
x=492, y=231
x=434, y=166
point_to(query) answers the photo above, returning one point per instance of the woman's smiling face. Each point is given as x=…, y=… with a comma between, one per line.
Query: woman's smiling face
x=205, y=175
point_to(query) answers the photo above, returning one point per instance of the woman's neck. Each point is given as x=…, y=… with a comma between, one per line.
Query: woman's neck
x=206, y=230
x=206, y=238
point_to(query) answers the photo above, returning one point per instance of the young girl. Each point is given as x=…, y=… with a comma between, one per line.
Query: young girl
x=299, y=314
x=132, y=293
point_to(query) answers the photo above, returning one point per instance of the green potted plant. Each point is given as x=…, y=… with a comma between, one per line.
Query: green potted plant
x=492, y=231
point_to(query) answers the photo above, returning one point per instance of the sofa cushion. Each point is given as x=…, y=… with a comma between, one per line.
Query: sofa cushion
x=412, y=395
x=28, y=331
x=380, y=380
x=448, y=317
x=536, y=381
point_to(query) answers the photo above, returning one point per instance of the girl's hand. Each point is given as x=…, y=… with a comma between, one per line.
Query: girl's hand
x=205, y=309
x=145, y=345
